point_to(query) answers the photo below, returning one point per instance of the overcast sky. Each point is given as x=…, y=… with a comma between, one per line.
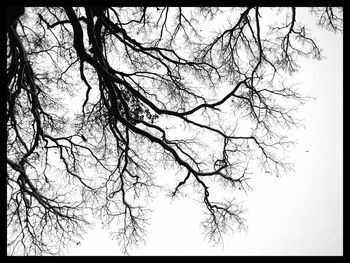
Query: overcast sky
x=300, y=213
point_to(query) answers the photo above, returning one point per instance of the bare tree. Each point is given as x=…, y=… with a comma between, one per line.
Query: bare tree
x=142, y=75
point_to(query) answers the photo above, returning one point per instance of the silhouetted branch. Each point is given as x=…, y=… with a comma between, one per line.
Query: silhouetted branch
x=139, y=76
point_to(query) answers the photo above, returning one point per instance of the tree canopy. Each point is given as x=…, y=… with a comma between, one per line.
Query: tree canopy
x=99, y=97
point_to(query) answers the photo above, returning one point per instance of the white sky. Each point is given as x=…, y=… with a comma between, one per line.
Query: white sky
x=300, y=213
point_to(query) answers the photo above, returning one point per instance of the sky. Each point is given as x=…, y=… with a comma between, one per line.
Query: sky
x=300, y=213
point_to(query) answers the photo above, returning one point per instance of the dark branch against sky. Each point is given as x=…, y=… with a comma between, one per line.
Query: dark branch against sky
x=198, y=89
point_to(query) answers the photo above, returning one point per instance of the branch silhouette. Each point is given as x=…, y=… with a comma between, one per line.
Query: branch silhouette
x=153, y=88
